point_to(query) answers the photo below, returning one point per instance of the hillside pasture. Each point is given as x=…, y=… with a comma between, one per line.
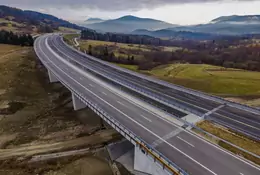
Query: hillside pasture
x=211, y=79
x=123, y=50
x=68, y=30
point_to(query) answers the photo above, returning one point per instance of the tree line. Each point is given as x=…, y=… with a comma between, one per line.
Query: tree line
x=226, y=51
x=120, y=38
x=107, y=53
x=218, y=42
x=242, y=57
x=7, y=37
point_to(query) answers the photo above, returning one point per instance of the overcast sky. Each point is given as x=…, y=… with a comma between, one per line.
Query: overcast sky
x=173, y=11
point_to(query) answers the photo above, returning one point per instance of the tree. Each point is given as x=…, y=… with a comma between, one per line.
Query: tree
x=90, y=49
x=111, y=56
x=15, y=39
x=106, y=51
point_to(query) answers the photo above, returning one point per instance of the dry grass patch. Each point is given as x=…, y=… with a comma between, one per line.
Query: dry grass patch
x=239, y=140
x=47, y=123
x=5, y=49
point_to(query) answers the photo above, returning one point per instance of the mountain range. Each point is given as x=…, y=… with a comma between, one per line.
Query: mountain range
x=225, y=25
x=28, y=19
x=127, y=24
x=235, y=19
x=93, y=20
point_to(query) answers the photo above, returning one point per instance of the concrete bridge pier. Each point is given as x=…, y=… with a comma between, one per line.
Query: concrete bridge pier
x=77, y=103
x=52, y=78
x=145, y=163
x=135, y=159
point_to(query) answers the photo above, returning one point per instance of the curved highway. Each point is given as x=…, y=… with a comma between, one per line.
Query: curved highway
x=237, y=119
x=188, y=151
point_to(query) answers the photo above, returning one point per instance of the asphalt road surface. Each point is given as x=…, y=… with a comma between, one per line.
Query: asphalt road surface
x=188, y=151
x=234, y=118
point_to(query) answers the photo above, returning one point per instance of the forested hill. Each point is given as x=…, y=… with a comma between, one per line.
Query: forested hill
x=15, y=39
x=34, y=18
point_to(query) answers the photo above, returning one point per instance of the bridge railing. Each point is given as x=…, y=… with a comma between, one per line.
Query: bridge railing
x=173, y=86
x=164, y=162
x=169, y=103
x=156, y=97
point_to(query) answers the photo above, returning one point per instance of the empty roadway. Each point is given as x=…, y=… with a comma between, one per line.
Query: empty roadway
x=240, y=120
x=190, y=152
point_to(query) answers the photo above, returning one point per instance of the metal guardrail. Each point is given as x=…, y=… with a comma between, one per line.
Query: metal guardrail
x=173, y=86
x=165, y=163
x=155, y=97
x=136, y=89
x=166, y=102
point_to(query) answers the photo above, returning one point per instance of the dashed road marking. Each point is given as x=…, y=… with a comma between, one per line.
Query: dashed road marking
x=146, y=118
x=185, y=141
x=121, y=103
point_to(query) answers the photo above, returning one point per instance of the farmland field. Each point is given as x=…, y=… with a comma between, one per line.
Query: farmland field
x=123, y=50
x=211, y=79
x=226, y=82
x=85, y=44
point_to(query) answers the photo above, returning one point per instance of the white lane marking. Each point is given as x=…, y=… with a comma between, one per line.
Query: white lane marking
x=166, y=137
x=237, y=121
x=241, y=173
x=195, y=135
x=91, y=85
x=205, y=114
x=212, y=111
x=124, y=96
x=190, y=133
x=185, y=141
x=121, y=103
x=176, y=98
x=146, y=118
x=104, y=93
x=134, y=121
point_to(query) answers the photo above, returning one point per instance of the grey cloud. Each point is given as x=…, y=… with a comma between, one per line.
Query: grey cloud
x=108, y=5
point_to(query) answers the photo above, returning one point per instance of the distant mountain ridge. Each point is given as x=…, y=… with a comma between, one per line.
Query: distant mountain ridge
x=226, y=25
x=35, y=18
x=251, y=19
x=127, y=24
x=93, y=20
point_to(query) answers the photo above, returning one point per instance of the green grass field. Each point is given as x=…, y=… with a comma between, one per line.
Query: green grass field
x=119, y=49
x=216, y=80
x=11, y=25
x=207, y=78
x=66, y=29
x=10, y=22
x=69, y=38
x=130, y=67
x=123, y=50
x=86, y=43
x=21, y=27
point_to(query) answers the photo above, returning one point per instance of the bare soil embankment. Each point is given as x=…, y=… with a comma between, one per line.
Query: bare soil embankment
x=37, y=122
